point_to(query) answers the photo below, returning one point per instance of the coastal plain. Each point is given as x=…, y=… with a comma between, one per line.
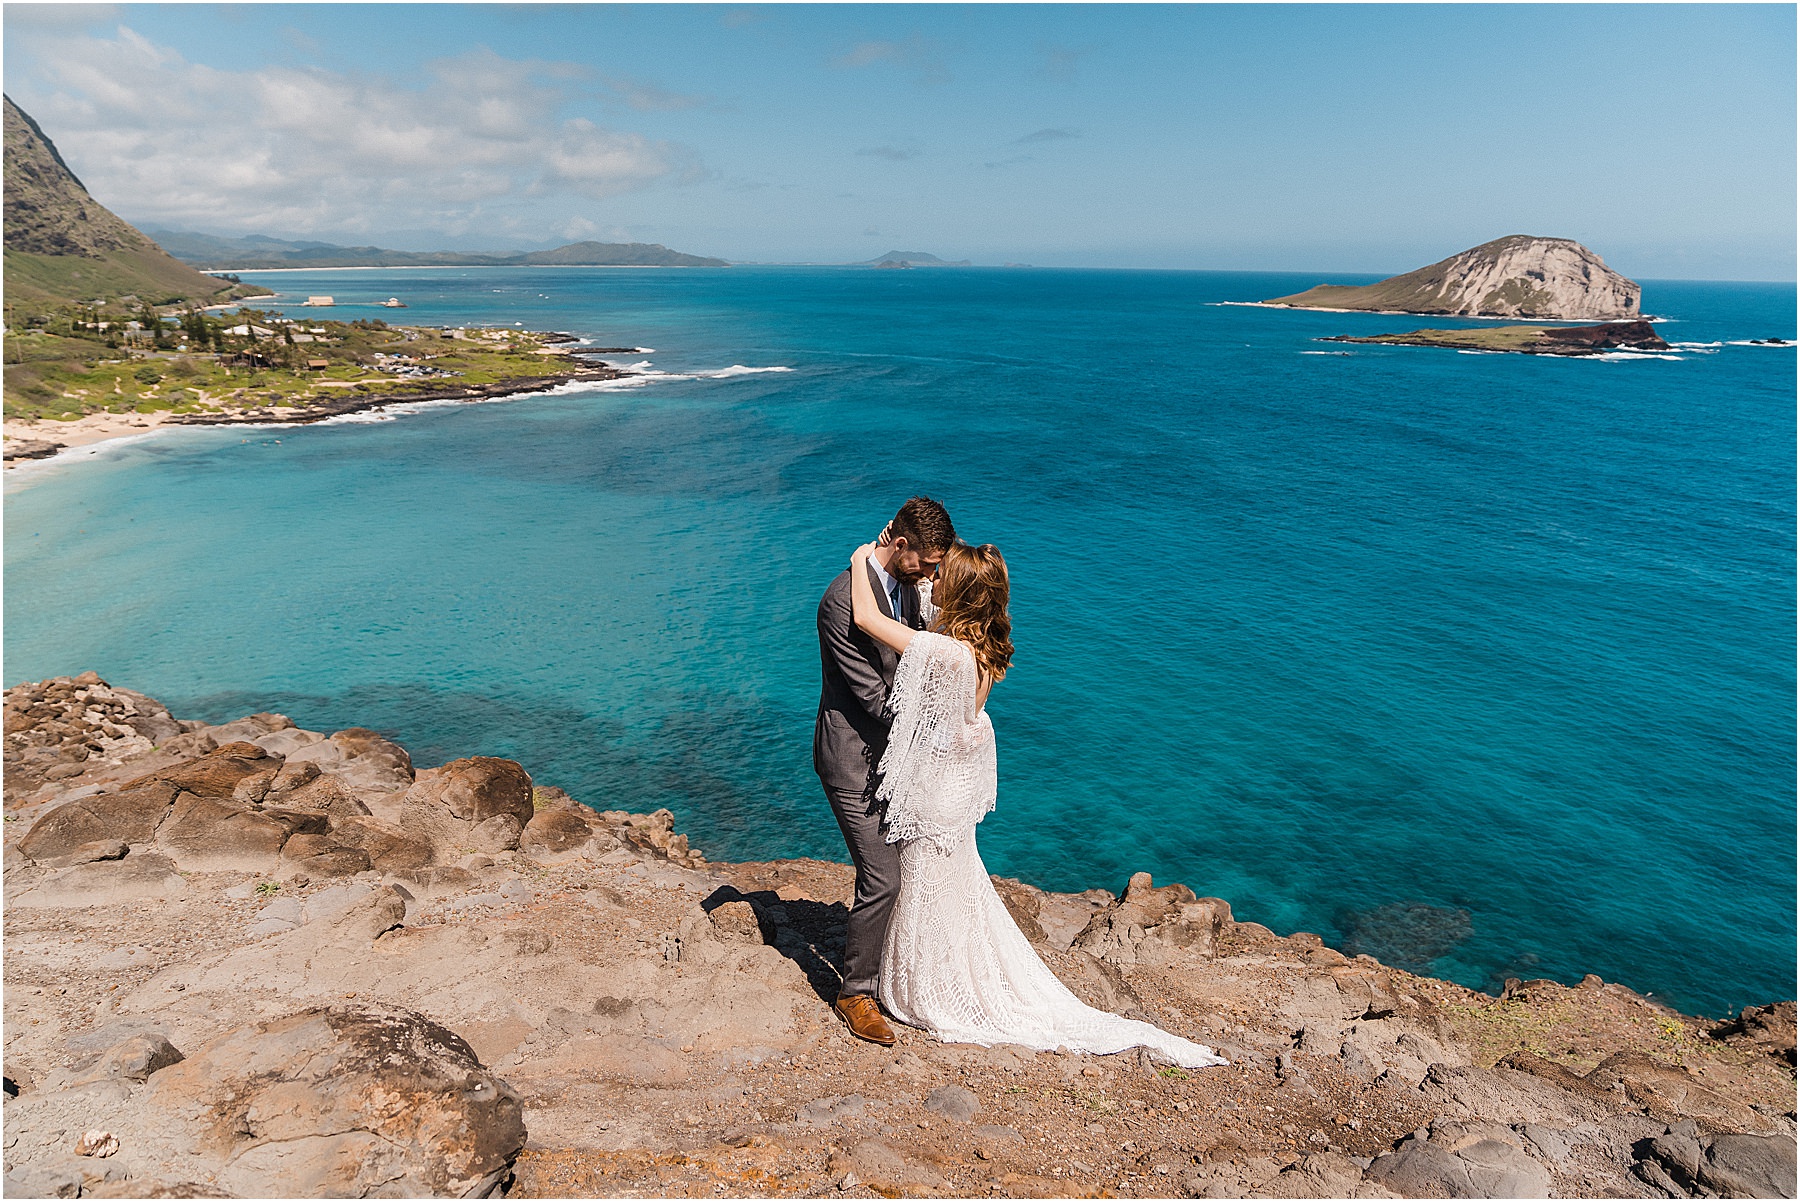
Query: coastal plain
x=74, y=389
x=255, y=960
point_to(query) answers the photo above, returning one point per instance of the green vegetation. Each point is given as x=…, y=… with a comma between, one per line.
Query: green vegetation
x=64, y=246
x=76, y=360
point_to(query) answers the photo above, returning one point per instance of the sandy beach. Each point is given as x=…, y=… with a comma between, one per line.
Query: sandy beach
x=27, y=441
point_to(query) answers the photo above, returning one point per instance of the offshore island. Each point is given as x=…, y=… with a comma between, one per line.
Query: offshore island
x=1550, y=279
x=1520, y=275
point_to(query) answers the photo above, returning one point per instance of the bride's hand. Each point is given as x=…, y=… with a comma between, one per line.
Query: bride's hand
x=886, y=536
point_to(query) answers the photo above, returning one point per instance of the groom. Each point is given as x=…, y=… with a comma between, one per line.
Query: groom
x=851, y=733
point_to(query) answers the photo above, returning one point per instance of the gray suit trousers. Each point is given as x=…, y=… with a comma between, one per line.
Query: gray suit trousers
x=877, y=885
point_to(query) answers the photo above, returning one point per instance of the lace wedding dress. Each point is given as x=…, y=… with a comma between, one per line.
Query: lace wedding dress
x=955, y=962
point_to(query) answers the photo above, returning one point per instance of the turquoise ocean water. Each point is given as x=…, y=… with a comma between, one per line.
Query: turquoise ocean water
x=1482, y=664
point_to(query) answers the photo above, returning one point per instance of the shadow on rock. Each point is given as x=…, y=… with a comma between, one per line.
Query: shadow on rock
x=809, y=933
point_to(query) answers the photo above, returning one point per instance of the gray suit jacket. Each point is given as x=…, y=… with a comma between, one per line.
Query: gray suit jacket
x=856, y=673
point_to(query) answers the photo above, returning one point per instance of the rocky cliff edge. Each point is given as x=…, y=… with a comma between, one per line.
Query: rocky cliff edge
x=254, y=960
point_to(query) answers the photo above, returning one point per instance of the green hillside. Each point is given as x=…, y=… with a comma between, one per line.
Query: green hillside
x=63, y=246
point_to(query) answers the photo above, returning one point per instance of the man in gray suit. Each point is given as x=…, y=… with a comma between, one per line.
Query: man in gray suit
x=851, y=733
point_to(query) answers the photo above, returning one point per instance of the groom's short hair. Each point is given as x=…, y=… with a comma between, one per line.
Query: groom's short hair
x=925, y=526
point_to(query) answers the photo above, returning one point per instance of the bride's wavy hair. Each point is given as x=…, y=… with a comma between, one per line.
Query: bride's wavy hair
x=971, y=593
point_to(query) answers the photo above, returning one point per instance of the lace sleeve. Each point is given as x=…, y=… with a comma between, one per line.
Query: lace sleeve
x=938, y=774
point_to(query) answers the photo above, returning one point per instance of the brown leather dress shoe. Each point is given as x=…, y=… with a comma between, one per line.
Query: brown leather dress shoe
x=864, y=1018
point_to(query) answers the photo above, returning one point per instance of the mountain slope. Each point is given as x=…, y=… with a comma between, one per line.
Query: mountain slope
x=63, y=245
x=1520, y=275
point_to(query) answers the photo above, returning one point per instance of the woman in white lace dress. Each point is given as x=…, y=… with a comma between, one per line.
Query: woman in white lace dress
x=955, y=962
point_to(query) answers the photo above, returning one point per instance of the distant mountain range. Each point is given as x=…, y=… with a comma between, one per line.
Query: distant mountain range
x=910, y=258
x=211, y=252
x=62, y=245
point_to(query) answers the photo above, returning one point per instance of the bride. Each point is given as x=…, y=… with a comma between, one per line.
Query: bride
x=954, y=962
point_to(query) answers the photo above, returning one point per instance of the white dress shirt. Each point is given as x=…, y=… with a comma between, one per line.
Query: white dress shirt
x=890, y=585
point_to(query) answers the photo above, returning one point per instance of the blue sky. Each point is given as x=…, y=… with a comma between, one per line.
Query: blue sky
x=1260, y=137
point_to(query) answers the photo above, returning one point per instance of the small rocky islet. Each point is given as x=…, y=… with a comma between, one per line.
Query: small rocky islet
x=1639, y=336
x=248, y=959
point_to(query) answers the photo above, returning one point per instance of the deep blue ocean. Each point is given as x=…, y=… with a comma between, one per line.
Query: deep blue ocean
x=1483, y=664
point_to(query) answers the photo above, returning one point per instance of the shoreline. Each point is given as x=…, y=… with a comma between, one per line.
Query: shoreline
x=587, y=1006
x=43, y=440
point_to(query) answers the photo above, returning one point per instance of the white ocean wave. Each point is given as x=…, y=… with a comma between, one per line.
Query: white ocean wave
x=1777, y=343
x=1617, y=356
x=1327, y=352
x=737, y=369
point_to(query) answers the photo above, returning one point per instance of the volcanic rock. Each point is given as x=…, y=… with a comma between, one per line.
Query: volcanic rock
x=479, y=804
x=1516, y=276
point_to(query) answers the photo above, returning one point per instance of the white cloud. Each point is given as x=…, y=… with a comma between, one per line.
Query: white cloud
x=647, y=97
x=302, y=149
x=914, y=54
x=1047, y=135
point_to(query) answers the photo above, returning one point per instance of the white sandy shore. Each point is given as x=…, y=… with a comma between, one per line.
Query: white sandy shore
x=93, y=429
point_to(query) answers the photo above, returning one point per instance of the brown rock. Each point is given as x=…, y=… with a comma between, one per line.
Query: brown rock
x=201, y=831
x=885, y=1169
x=655, y=833
x=1023, y=903
x=554, y=831
x=323, y=856
x=1155, y=926
x=1768, y=1027
x=390, y=848
x=1749, y=1166
x=134, y=1059
x=130, y=816
x=362, y=760
x=1670, y=1092
x=216, y=774
x=345, y=1102
x=303, y=787
x=446, y=806
x=88, y=853
x=737, y=920
x=1368, y=992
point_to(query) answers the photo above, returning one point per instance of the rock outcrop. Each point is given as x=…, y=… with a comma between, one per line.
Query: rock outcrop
x=1638, y=336
x=233, y=971
x=339, y=1101
x=1553, y=279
